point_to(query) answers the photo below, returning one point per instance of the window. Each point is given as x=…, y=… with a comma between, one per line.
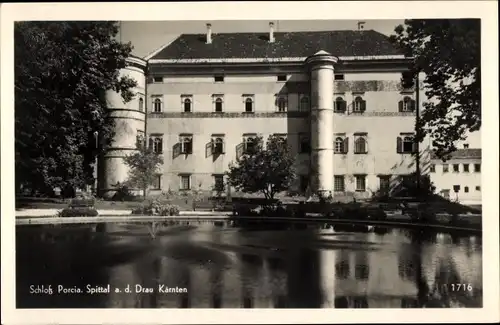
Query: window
x=456, y=188
x=141, y=104
x=407, y=105
x=466, y=146
x=157, y=182
x=359, y=105
x=466, y=168
x=185, y=182
x=157, y=79
x=360, y=144
x=339, y=105
x=304, y=143
x=219, y=182
x=187, y=103
x=445, y=168
x=218, y=101
x=432, y=168
x=217, y=144
x=456, y=168
x=304, y=182
x=282, y=137
x=140, y=139
x=339, y=183
x=219, y=78
x=249, y=105
x=406, y=144
x=339, y=77
x=282, y=77
x=466, y=189
x=281, y=103
x=384, y=183
x=304, y=103
x=250, y=142
x=157, y=105
x=360, y=183
x=156, y=142
x=477, y=168
x=186, y=141
x=478, y=188
x=341, y=145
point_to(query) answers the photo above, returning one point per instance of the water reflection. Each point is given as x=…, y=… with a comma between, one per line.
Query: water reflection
x=219, y=266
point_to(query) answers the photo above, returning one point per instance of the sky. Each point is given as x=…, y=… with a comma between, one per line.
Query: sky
x=147, y=36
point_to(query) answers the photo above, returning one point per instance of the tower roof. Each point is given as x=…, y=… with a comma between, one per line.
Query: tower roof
x=341, y=43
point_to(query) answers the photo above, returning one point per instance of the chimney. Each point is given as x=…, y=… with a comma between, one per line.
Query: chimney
x=361, y=25
x=209, y=33
x=271, y=32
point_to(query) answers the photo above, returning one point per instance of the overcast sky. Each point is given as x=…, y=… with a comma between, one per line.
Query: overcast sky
x=147, y=36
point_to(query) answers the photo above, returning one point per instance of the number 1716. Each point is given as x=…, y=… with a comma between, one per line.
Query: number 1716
x=460, y=287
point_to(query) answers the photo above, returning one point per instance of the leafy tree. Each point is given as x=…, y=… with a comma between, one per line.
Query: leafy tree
x=143, y=167
x=266, y=170
x=448, y=52
x=62, y=72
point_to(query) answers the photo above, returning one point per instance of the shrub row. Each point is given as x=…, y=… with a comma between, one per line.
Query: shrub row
x=78, y=212
x=156, y=208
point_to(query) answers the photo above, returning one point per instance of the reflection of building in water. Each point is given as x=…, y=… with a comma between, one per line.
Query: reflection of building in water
x=372, y=278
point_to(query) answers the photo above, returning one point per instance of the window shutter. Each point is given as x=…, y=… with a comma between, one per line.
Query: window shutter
x=415, y=146
x=401, y=106
x=335, y=106
x=208, y=149
x=413, y=105
x=160, y=145
x=399, y=145
x=343, y=105
x=151, y=143
x=240, y=148
x=176, y=150
x=366, y=146
x=346, y=145
x=363, y=105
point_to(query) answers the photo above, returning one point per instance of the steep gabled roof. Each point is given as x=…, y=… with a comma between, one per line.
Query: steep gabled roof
x=341, y=43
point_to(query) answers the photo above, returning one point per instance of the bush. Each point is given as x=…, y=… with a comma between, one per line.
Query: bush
x=156, y=208
x=123, y=193
x=377, y=213
x=78, y=212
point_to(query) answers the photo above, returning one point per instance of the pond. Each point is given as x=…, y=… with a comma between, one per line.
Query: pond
x=217, y=265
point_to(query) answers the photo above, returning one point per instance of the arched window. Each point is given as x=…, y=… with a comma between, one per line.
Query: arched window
x=157, y=105
x=187, y=105
x=360, y=145
x=218, y=145
x=304, y=104
x=339, y=105
x=407, y=105
x=281, y=103
x=141, y=104
x=158, y=145
x=187, y=144
x=218, y=105
x=249, y=144
x=339, y=145
x=359, y=105
x=248, y=105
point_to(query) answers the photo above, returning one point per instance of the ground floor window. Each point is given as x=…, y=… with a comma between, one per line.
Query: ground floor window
x=384, y=183
x=339, y=183
x=304, y=183
x=185, y=182
x=157, y=182
x=360, y=183
x=219, y=182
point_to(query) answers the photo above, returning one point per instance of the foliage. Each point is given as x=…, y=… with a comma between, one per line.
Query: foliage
x=267, y=170
x=143, y=167
x=62, y=72
x=78, y=212
x=408, y=187
x=447, y=51
x=157, y=208
x=123, y=192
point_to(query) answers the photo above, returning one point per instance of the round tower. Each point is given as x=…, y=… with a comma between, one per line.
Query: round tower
x=321, y=66
x=130, y=121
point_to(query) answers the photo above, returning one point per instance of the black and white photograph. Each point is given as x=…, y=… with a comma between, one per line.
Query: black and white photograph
x=251, y=163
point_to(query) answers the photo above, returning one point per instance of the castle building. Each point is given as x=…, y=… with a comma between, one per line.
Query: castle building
x=335, y=96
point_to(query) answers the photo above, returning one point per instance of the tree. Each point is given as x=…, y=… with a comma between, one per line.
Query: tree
x=62, y=72
x=143, y=167
x=448, y=52
x=267, y=170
